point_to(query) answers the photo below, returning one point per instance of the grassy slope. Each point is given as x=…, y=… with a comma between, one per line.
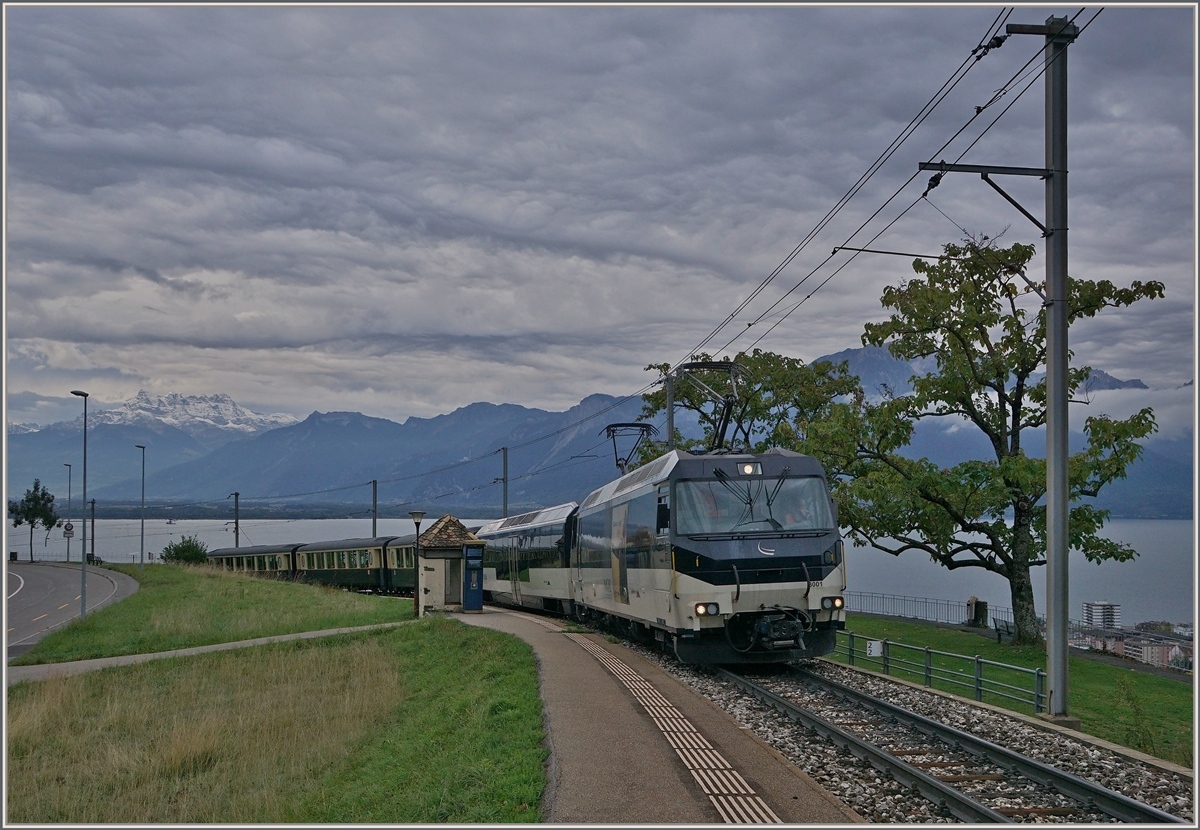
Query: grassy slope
x=376, y=727
x=179, y=607
x=1123, y=705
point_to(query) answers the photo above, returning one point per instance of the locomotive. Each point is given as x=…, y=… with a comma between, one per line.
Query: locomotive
x=720, y=558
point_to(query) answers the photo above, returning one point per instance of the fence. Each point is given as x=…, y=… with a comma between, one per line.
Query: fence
x=982, y=679
x=918, y=608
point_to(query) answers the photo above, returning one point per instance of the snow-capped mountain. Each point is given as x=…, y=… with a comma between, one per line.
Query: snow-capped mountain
x=212, y=420
x=196, y=415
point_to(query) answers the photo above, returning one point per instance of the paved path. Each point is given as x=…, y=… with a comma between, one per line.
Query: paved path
x=613, y=722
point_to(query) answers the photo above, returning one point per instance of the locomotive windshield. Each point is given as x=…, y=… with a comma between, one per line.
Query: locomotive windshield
x=751, y=505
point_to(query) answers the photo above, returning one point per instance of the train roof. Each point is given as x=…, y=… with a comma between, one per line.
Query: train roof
x=662, y=466
x=535, y=518
x=254, y=550
x=650, y=470
x=358, y=544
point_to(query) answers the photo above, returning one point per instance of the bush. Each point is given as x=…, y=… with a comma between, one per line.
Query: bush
x=188, y=549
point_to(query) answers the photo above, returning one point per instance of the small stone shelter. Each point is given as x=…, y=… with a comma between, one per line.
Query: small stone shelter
x=440, y=565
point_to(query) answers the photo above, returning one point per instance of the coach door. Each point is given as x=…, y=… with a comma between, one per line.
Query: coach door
x=620, y=568
x=514, y=566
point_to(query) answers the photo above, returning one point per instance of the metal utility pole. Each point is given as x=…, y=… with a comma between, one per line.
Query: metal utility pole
x=93, y=503
x=236, y=532
x=374, y=508
x=1059, y=33
x=83, y=541
x=142, y=548
x=68, y=532
x=670, y=384
x=504, y=479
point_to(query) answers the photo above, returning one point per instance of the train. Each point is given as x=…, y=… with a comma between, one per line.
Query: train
x=381, y=564
x=719, y=558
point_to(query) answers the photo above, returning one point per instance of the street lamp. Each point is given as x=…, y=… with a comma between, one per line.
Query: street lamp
x=68, y=466
x=82, y=556
x=416, y=516
x=142, y=548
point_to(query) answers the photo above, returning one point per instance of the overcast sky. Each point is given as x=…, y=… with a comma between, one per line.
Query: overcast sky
x=402, y=210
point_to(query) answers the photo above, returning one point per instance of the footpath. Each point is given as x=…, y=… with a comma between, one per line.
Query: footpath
x=628, y=743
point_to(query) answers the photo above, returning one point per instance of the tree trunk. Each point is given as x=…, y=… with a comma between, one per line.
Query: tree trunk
x=31, y=542
x=1024, y=610
x=1019, y=584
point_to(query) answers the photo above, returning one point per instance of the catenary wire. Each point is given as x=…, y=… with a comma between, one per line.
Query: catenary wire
x=906, y=183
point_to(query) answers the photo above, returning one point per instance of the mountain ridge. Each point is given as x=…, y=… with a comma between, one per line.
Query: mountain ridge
x=205, y=448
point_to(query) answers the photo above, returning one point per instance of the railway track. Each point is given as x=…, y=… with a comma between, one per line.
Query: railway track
x=970, y=778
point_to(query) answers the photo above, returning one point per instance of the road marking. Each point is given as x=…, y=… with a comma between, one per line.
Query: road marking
x=64, y=605
x=35, y=619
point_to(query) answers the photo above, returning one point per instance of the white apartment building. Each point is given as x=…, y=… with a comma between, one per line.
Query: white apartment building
x=1102, y=614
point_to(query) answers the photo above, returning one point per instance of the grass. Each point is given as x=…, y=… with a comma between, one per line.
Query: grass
x=184, y=606
x=382, y=726
x=1121, y=704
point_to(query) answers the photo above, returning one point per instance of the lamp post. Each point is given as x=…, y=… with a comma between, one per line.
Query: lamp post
x=83, y=549
x=142, y=546
x=68, y=466
x=416, y=516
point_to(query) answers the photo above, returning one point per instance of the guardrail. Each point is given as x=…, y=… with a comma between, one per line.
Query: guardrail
x=918, y=608
x=985, y=680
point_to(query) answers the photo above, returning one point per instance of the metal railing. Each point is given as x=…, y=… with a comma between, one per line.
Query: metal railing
x=984, y=680
x=917, y=608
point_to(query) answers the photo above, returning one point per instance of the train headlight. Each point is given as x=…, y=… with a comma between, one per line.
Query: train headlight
x=832, y=603
x=750, y=468
x=707, y=609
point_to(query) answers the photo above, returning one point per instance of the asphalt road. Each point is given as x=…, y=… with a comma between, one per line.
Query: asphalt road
x=44, y=596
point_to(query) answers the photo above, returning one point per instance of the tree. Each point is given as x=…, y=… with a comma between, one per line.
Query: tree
x=35, y=509
x=779, y=400
x=971, y=312
x=189, y=550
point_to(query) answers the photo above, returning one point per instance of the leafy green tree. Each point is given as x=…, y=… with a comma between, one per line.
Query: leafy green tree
x=779, y=399
x=35, y=509
x=189, y=550
x=970, y=311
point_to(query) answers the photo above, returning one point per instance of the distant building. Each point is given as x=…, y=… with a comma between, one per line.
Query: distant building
x=1154, y=652
x=1102, y=614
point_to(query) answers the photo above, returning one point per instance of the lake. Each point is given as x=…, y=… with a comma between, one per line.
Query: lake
x=1158, y=585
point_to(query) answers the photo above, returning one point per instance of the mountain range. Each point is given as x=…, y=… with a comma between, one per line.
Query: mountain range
x=201, y=450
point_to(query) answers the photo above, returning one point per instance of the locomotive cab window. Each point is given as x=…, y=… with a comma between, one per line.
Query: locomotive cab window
x=751, y=505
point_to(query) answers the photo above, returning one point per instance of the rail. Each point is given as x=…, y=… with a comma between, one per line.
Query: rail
x=984, y=680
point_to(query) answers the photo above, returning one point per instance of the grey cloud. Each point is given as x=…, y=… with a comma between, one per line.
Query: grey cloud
x=211, y=183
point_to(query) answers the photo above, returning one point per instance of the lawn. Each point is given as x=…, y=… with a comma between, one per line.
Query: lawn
x=1122, y=704
x=181, y=606
x=383, y=726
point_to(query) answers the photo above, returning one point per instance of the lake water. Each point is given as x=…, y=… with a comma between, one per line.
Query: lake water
x=1158, y=585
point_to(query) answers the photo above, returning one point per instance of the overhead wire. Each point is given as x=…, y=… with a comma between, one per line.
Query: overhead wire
x=1019, y=74
x=988, y=42
x=947, y=87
